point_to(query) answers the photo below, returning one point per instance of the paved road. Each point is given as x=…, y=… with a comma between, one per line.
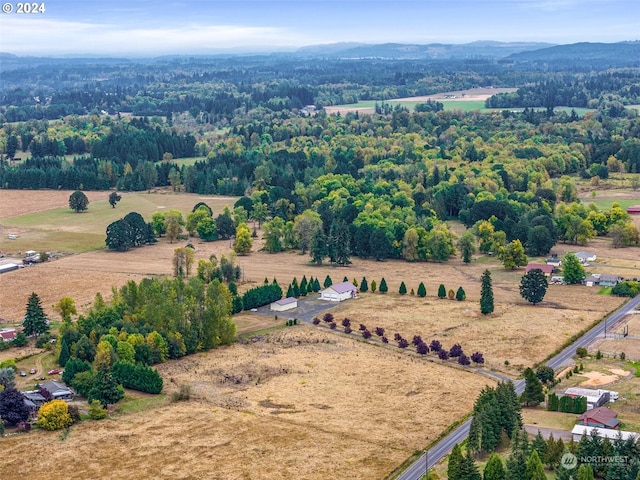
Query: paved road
x=417, y=469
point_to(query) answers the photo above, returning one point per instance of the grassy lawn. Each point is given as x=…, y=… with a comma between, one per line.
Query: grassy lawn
x=544, y=419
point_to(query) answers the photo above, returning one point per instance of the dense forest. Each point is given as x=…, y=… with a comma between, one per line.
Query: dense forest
x=384, y=183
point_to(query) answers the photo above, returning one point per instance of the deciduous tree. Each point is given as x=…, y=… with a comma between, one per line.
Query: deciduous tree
x=12, y=407
x=572, y=269
x=54, y=415
x=114, y=198
x=78, y=201
x=533, y=286
x=243, y=242
x=513, y=255
x=467, y=246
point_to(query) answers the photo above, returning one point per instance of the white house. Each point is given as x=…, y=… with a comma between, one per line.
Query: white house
x=580, y=430
x=339, y=292
x=284, y=304
x=595, y=398
x=586, y=257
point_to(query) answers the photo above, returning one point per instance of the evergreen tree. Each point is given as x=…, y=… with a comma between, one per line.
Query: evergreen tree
x=327, y=282
x=534, y=469
x=585, y=472
x=516, y=463
x=374, y=286
x=318, y=250
x=469, y=469
x=442, y=291
x=422, y=291
x=35, y=321
x=303, y=286
x=364, y=286
x=494, y=469
x=383, y=286
x=65, y=354
x=455, y=463
x=106, y=388
x=460, y=294
x=290, y=292
x=403, y=289
x=486, y=294
x=533, y=393
x=539, y=445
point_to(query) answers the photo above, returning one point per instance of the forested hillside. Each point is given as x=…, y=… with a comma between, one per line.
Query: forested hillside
x=383, y=183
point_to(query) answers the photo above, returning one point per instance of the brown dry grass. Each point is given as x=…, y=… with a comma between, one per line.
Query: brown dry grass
x=307, y=404
x=21, y=202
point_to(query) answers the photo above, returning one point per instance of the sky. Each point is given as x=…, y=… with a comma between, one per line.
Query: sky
x=157, y=27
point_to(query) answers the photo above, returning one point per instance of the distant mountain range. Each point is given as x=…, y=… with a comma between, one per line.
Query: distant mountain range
x=433, y=51
x=605, y=55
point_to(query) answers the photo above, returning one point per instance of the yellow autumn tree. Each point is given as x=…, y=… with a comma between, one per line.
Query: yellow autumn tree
x=54, y=415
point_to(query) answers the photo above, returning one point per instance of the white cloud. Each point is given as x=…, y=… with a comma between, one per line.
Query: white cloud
x=51, y=37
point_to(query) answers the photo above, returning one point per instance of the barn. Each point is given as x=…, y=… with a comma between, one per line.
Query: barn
x=339, y=292
x=284, y=304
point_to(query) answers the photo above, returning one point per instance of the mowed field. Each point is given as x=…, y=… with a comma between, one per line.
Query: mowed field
x=43, y=221
x=297, y=404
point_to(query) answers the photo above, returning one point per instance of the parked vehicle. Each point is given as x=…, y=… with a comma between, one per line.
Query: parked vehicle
x=54, y=372
x=32, y=371
x=23, y=373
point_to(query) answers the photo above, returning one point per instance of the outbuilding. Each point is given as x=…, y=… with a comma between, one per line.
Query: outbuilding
x=339, y=292
x=595, y=398
x=546, y=269
x=284, y=304
x=580, y=430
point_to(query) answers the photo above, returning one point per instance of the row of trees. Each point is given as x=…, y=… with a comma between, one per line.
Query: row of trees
x=422, y=348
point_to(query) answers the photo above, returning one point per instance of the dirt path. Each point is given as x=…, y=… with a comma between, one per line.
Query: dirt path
x=39, y=370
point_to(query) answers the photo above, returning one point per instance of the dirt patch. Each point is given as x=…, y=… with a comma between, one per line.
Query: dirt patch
x=309, y=405
x=597, y=378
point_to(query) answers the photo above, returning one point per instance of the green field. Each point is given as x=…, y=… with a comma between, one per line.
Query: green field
x=450, y=105
x=61, y=229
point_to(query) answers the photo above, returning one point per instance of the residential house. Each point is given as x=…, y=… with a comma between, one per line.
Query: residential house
x=8, y=334
x=555, y=262
x=546, y=269
x=595, y=398
x=59, y=391
x=580, y=430
x=602, y=280
x=586, y=257
x=284, y=304
x=339, y=292
x=33, y=400
x=600, y=417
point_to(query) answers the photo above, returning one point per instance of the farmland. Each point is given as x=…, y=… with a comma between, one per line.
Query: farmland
x=288, y=405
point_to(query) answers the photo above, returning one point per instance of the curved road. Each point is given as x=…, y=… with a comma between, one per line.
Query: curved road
x=436, y=453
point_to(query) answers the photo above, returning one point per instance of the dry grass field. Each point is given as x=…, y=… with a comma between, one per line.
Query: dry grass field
x=297, y=404
x=301, y=402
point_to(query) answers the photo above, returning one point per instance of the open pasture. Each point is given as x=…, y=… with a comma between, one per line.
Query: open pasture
x=43, y=221
x=300, y=403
